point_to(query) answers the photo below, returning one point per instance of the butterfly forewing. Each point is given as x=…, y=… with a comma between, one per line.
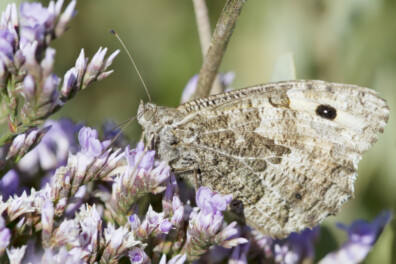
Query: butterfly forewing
x=288, y=151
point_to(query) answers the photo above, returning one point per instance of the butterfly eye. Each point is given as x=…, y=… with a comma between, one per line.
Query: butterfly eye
x=148, y=114
x=326, y=111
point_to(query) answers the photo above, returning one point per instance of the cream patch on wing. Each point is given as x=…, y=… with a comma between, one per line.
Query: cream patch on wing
x=344, y=119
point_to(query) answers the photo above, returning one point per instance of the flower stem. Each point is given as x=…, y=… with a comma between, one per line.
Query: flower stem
x=224, y=29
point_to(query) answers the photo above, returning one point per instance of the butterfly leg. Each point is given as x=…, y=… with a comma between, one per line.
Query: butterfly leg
x=186, y=173
x=197, y=179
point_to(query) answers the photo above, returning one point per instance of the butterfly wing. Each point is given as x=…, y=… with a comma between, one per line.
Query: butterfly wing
x=287, y=150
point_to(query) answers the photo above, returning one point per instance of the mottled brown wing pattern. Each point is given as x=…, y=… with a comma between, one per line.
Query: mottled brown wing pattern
x=288, y=150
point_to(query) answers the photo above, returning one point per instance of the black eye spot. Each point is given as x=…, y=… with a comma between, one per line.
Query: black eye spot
x=326, y=111
x=298, y=196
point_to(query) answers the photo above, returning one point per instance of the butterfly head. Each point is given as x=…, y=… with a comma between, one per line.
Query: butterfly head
x=153, y=118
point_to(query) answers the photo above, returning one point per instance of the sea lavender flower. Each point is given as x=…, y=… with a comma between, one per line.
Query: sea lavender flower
x=178, y=259
x=296, y=248
x=171, y=203
x=138, y=256
x=67, y=234
x=141, y=176
x=9, y=184
x=5, y=235
x=41, y=24
x=22, y=143
x=47, y=221
x=15, y=255
x=12, y=152
x=206, y=225
x=284, y=255
x=95, y=161
x=96, y=69
x=153, y=224
x=26, y=65
x=63, y=256
x=90, y=224
x=8, y=41
x=9, y=18
x=362, y=236
x=239, y=254
x=118, y=242
x=54, y=147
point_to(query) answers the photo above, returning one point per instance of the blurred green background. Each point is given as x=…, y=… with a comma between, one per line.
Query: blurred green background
x=348, y=41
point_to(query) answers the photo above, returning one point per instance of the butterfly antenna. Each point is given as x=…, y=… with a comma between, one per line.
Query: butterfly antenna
x=121, y=125
x=124, y=125
x=133, y=62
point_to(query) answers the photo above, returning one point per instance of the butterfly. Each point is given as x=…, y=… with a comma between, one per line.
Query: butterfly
x=287, y=151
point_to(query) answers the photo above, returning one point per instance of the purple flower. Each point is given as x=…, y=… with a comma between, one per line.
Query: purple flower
x=362, y=236
x=96, y=68
x=94, y=161
x=65, y=17
x=49, y=93
x=138, y=256
x=63, y=256
x=140, y=158
x=239, y=254
x=165, y=226
x=47, y=64
x=134, y=221
x=178, y=259
x=91, y=230
x=140, y=176
x=5, y=235
x=15, y=255
x=154, y=223
x=211, y=202
x=178, y=211
x=284, y=255
x=67, y=234
x=29, y=88
x=206, y=225
x=53, y=149
x=118, y=242
x=22, y=143
x=89, y=142
x=296, y=248
x=9, y=184
x=47, y=221
x=9, y=18
x=69, y=82
x=35, y=21
x=7, y=48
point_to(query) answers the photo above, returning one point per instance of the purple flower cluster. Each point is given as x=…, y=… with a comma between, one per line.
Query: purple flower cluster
x=362, y=236
x=153, y=224
x=30, y=90
x=206, y=225
x=95, y=161
x=141, y=175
